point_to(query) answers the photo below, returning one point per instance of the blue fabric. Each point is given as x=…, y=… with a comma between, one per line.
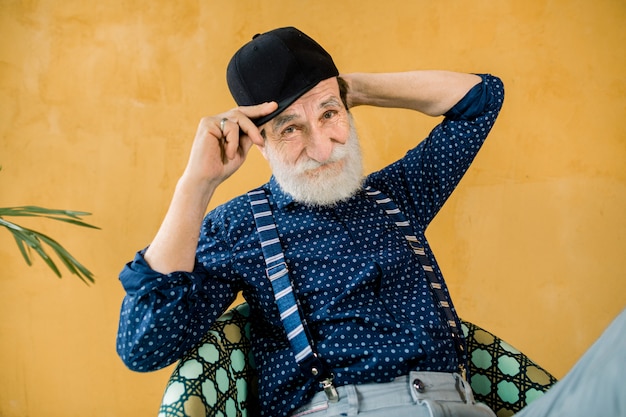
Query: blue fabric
x=365, y=299
x=437, y=286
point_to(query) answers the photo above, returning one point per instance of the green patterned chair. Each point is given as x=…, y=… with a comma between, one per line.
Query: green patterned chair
x=218, y=377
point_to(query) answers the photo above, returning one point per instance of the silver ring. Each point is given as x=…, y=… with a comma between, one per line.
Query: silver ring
x=222, y=123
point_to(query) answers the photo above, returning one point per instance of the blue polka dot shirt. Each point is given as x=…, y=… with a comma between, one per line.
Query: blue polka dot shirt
x=366, y=301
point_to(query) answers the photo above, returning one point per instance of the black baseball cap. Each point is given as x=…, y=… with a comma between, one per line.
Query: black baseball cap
x=280, y=65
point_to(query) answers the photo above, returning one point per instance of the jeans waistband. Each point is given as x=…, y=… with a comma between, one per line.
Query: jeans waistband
x=407, y=390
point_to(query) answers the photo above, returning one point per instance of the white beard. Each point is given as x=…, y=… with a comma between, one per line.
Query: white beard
x=331, y=184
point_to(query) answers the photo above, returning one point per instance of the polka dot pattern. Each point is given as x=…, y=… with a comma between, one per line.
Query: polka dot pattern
x=366, y=301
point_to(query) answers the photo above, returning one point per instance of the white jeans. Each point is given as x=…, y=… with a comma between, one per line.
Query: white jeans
x=443, y=395
x=594, y=387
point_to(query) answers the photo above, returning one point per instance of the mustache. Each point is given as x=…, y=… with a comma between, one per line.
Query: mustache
x=339, y=153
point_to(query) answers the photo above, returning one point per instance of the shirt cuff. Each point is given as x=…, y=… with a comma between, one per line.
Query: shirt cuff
x=472, y=104
x=138, y=277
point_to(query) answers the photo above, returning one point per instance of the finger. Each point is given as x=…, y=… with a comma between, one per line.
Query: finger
x=259, y=110
x=237, y=122
x=254, y=112
x=239, y=125
x=223, y=140
x=223, y=154
x=244, y=146
x=234, y=141
x=229, y=140
x=249, y=129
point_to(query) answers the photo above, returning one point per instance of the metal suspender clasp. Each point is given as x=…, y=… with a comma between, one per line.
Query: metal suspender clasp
x=319, y=371
x=330, y=390
x=463, y=372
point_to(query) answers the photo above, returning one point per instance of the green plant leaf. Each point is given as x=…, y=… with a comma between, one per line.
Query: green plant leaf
x=68, y=216
x=23, y=250
x=42, y=253
x=27, y=239
x=70, y=262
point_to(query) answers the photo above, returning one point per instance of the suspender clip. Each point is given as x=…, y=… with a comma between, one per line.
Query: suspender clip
x=463, y=372
x=330, y=390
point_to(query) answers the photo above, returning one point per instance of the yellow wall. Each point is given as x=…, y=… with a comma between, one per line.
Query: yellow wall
x=99, y=102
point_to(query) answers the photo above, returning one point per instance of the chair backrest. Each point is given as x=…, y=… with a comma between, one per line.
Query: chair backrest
x=218, y=378
x=500, y=375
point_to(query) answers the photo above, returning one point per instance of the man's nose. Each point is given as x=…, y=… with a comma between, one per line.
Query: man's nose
x=320, y=145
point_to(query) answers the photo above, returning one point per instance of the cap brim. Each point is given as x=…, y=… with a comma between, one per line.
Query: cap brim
x=282, y=105
x=286, y=102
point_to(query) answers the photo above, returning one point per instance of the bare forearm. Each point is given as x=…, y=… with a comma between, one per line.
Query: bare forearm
x=430, y=92
x=174, y=246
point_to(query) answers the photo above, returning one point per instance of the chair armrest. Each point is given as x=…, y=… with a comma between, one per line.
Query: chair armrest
x=501, y=376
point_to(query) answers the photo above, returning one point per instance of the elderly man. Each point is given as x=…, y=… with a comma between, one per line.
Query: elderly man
x=349, y=310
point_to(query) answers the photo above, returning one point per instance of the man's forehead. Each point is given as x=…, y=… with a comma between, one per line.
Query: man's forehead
x=328, y=86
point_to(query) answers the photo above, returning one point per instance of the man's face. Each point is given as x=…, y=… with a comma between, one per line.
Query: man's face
x=313, y=149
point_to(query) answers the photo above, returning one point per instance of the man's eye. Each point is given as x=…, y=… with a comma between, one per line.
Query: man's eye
x=289, y=130
x=329, y=114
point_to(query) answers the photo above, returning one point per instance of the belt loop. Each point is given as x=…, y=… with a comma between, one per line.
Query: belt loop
x=465, y=389
x=351, y=393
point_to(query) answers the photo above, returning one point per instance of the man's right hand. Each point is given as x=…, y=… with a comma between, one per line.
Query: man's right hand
x=216, y=154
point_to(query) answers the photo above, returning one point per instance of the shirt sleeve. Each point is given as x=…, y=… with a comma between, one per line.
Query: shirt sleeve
x=163, y=316
x=430, y=172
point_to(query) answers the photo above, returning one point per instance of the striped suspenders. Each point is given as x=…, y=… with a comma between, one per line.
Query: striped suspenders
x=290, y=315
x=436, y=285
x=278, y=274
